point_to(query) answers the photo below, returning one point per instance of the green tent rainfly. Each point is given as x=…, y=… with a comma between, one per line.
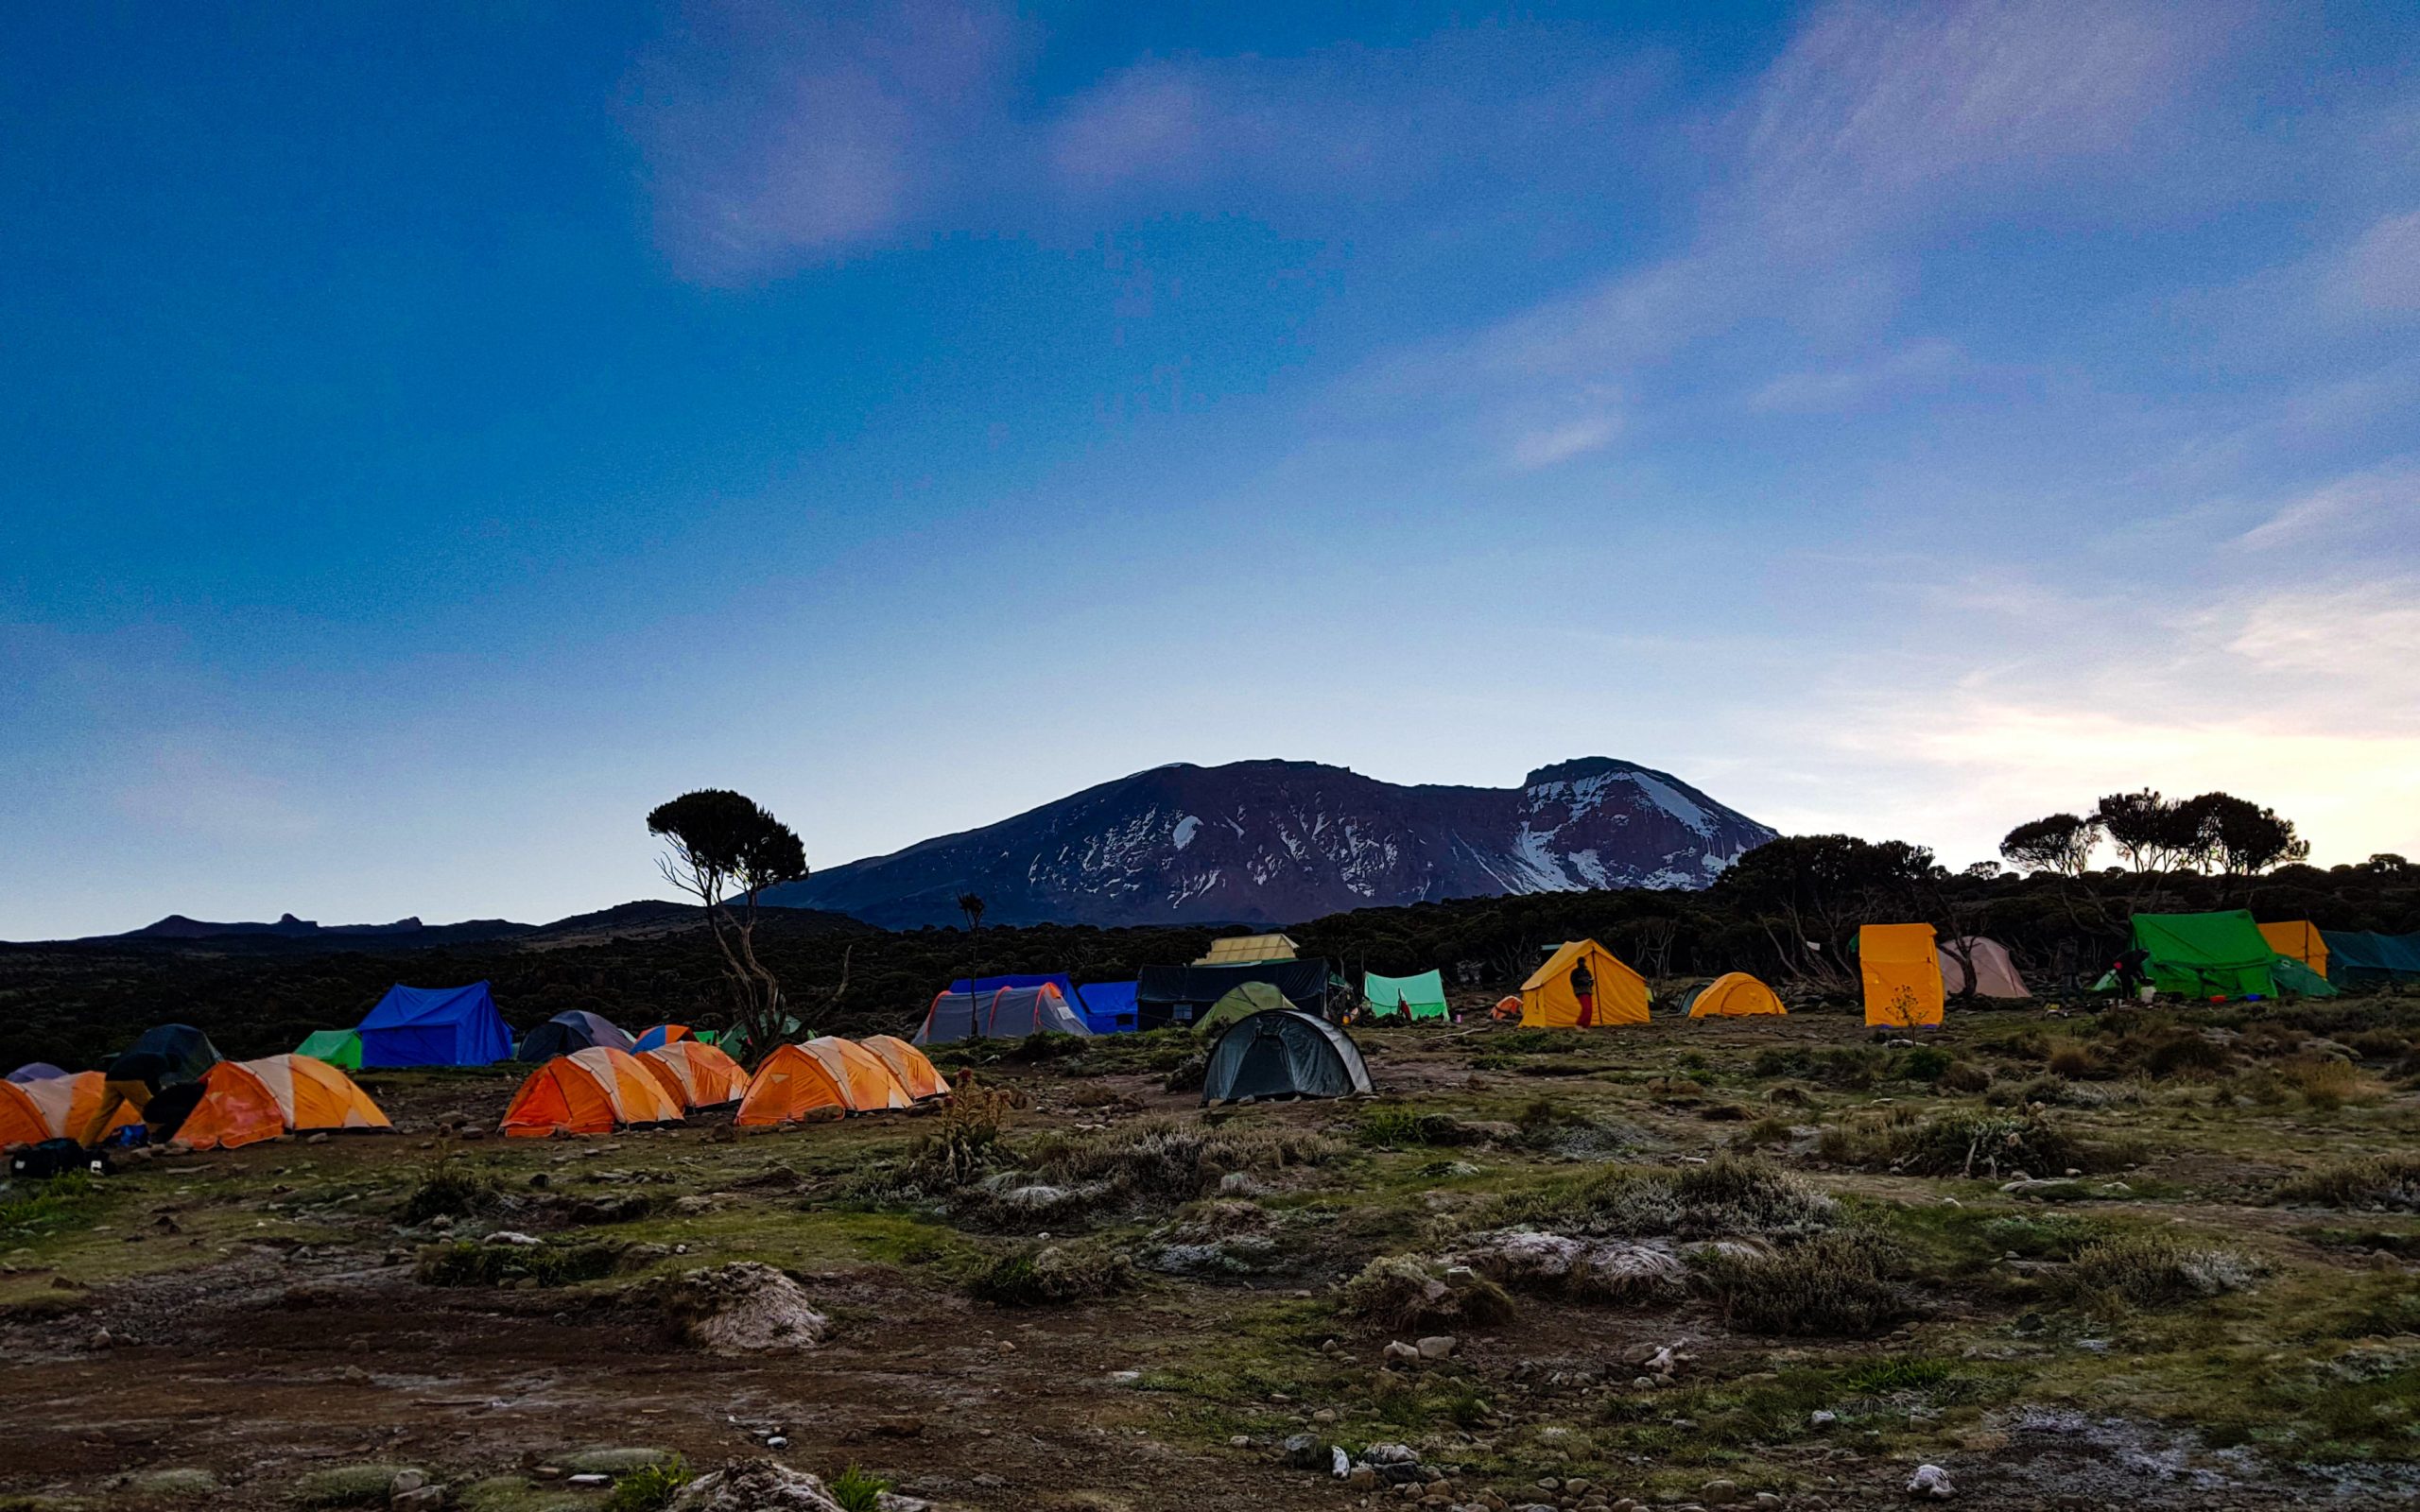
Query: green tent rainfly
x=1424, y=994
x=2296, y=979
x=340, y=1048
x=1240, y=1002
x=2203, y=955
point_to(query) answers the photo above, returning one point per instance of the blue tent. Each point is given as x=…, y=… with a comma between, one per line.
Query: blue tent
x=1108, y=1006
x=435, y=1026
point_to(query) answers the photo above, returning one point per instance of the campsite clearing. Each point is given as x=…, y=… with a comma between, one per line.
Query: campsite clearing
x=2218, y=1310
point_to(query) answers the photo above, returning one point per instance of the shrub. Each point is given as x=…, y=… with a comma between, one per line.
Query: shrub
x=1730, y=1196
x=964, y=1149
x=1051, y=1275
x=1402, y=1294
x=1187, y=1074
x=467, y=1262
x=1725, y=1113
x=2391, y=1181
x=1167, y=1161
x=66, y=1202
x=649, y=1487
x=2044, y=1236
x=1988, y=1143
x=2325, y=1083
x=449, y=1190
x=1042, y=1046
x=1964, y=1076
x=2155, y=1270
x=2076, y=1062
x=346, y=1485
x=1880, y=1378
x=1835, y=1284
x=1922, y=1063
x=857, y=1490
x=1781, y=1062
x=1398, y=1127
x=1762, y=1133
x=2186, y=1056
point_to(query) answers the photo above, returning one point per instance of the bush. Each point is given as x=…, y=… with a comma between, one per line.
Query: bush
x=1837, y=1284
x=1167, y=1161
x=1052, y=1275
x=649, y=1487
x=1399, y=1128
x=2155, y=1271
x=346, y=1485
x=2076, y=1062
x=1762, y=1133
x=2185, y=1055
x=1924, y=1063
x=2326, y=1083
x=1964, y=1076
x=449, y=1190
x=1187, y=1074
x=857, y=1490
x=467, y=1262
x=62, y=1204
x=1979, y=1143
x=1401, y=1294
x=2044, y=1236
x=2390, y=1181
x=1730, y=1196
x=958, y=1155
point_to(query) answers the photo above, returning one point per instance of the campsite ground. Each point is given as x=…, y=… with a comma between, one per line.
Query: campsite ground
x=2221, y=1312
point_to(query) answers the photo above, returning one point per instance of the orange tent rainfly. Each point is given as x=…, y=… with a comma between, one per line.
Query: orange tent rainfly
x=244, y=1102
x=696, y=1075
x=1735, y=994
x=916, y=1074
x=1507, y=1009
x=2300, y=940
x=589, y=1091
x=1902, y=972
x=57, y=1108
x=1551, y=997
x=796, y=1081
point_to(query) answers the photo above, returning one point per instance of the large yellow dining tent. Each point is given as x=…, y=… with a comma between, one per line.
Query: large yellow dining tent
x=1550, y=1000
x=1901, y=966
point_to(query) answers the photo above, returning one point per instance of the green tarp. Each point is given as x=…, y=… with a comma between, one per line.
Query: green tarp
x=2206, y=955
x=1425, y=993
x=2296, y=979
x=1240, y=1002
x=2361, y=958
x=340, y=1048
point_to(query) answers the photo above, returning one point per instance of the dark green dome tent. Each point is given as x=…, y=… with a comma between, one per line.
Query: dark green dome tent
x=1284, y=1053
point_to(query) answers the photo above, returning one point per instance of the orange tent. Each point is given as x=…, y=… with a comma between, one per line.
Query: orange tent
x=588, y=1092
x=244, y=1102
x=796, y=1080
x=1735, y=994
x=695, y=1075
x=1508, y=1009
x=2300, y=940
x=915, y=1073
x=1549, y=1000
x=1901, y=966
x=57, y=1108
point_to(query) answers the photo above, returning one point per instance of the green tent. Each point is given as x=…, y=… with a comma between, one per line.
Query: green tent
x=1241, y=1002
x=1425, y=993
x=2204, y=956
x=2296, y=980
x=340, y=1048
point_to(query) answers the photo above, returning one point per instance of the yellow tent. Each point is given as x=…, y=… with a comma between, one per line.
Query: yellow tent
x=1549, y=1000
x=1248, y=950
x=2299, y=939
x=1902, y=971
x=1733, y=995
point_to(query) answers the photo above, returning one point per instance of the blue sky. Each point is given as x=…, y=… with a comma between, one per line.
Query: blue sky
x=436, y=433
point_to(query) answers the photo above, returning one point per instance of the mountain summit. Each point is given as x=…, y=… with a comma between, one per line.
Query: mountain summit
x=1273, y=842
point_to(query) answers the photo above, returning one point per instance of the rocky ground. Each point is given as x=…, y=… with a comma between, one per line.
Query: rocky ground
x=2164, y=1259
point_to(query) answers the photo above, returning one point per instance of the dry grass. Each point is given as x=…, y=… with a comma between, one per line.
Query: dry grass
x=1401, y=1294
x=2391, y=1181
x=1837, y=1284
x=2152, y=1271
x=1731, y=1195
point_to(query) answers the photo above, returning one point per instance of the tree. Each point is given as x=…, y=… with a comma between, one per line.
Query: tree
x=2153, y=833
x=2239, y=836
x=1812, y=892
x=972, y=906
x=2062, y=844
x=723, y=849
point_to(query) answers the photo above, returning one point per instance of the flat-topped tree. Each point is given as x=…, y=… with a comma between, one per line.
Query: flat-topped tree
x=724, y=849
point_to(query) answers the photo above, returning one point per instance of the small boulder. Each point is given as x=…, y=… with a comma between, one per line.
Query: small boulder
x=744, y=1308
x=406, y=1480
x=423, y=1499
x=1931, y=1481
x=1398, y=1351
x=1437, y=1346
x=1303, y=1452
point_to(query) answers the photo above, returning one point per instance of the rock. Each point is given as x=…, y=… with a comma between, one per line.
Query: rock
x=591, y=1480
x=425, y=1499
x=1240, y=1441
x=1437, y=1346
x=321, y=1138
x=2047, y=1187
x=471, y=1133
x=102, y=1339
x=407, y=1481
x=744, y=1308
x=754, y=1486
x=1339, y=1464
x=1397, y=1349
x=1390, y=1454
x=1610, y=1269
x=1721, y=1493
x=1820, y=1419
x=691, y=1207
x=513, y=1236
x=1932, y=1481
x=1304, y=1453
x=452, y=1120
x=1326, y=1414
x=1362, y=1477
x=1767, y=1499
x=893, y=1502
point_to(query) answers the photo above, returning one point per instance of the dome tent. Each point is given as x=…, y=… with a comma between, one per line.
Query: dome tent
x=917, y=1075
x=695, y=1075
x=665, y=1034
x=245, y=1102
x=572, y=1030
x=797, y=1082
x=1994, y=973
x=36, y=1071
x=1240, y=1002
x=589, y=1091
x=165, y=1056
x=1004, y=1013
x=1284, y=1053
x=53, y=1107
x=1734, y=994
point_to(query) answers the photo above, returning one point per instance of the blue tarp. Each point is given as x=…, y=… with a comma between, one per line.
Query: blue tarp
x=435, y=1026
x=1108, y=1006
x=2361, y=958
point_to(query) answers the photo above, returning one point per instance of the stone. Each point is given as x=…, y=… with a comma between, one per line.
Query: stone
x=1390, y=1454
x=745, y=1307
x=1326, y=1414
x=591, y=1479
x=1398, y=1351
x=514, y=1237
x=407, y=1481
x=321, y=1138
x=425, y=1499
x=1438, y=1346
x=1931, y=1481
x=1363, y=1477
x=1721, y=1493
x=759, y=1485
x=1767, y=1499
x=1340, y=1464
x=452, y=1120
x=1304, y=1453
x=1820, y=1419
x=471, y=1133
x=1240, y=1441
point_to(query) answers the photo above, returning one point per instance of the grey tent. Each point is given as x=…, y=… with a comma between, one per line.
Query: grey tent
x=1008, y=1012
x=1284, y=1053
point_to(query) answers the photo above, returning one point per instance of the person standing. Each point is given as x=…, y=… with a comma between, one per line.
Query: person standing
x=1583, y=986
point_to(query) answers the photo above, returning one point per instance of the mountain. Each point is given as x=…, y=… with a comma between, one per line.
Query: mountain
x=645, y=919
x=177, y=926
x=1273, y=842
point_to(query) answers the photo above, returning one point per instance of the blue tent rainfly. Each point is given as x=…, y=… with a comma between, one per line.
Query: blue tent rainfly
x=435, y=1026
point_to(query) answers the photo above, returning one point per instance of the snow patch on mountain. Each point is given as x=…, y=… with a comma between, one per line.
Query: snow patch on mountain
x=1182, y=834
